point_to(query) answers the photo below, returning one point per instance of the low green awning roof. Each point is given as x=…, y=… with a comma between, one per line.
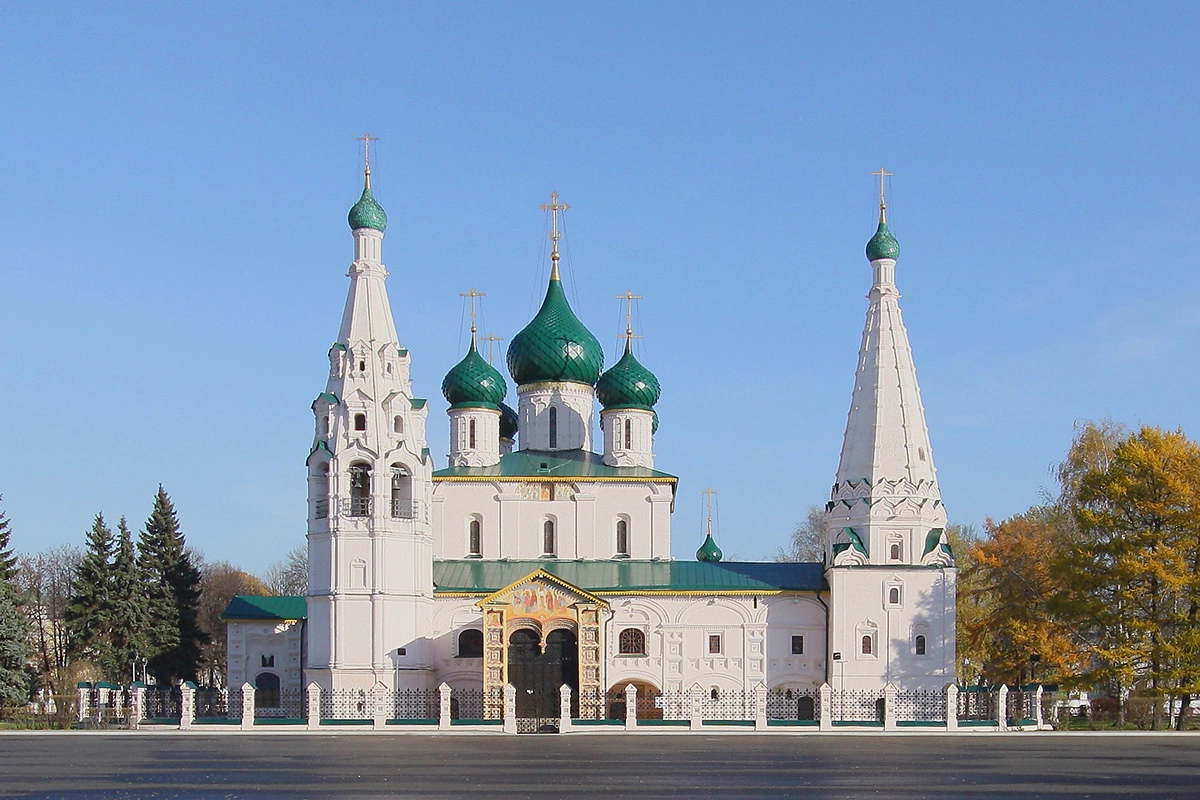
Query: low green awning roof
x=550, y=465
x=283, y=607
x=477, y=576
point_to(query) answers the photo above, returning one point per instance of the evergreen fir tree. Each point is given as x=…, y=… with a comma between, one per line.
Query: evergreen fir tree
x=14, y=651
x=174, y=635
x=88, y=614
x=8, y=561
x=14, y=630
x=127, y=607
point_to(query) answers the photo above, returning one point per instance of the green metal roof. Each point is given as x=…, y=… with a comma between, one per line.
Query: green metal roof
x=473, y=383
x=882, y=244
x=274, y=607
x=627, y=384
x=553, y=464
x=367, y=213
x=709, y=551
x=555, y=345
x=476, y=576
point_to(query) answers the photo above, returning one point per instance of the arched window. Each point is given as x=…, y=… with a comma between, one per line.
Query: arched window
x=470, y=644
x=919, y=645
x=628, y=434
x=548, y=548
x=362, y=365
x=471, y=434
x=553, y=427
x=320, y=491
x=360, y=422
x=894, y=595
x=632, y=642
x=715, y=693
x=622, y=537
x=266, y=694
x=475, y=538
x=402, y=504
x=895, y=551
x=867, y=645
x=360, y=490
x=397, y=424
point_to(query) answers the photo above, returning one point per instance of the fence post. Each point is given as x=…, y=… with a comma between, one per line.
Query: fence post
x=444, y=706
x=889, y=707
x=760, y=707
x=510, y=708
x=137, y=705
x=631, y=707
x=951, y=707
x=85, y=695
x=697, y=715
x=1037, y=705
x=248, y=706
x=312, y=700
x=187, y=705
x=564, y=709
x=1002, y=708
x=379, y=715
x=826, y=692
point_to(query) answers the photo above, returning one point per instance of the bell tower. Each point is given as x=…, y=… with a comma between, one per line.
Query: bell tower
x=370, y=553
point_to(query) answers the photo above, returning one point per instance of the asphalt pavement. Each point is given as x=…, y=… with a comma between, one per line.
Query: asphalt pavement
x=190, y=766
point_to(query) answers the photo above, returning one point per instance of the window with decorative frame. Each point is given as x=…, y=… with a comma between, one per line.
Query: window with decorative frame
x=714, y=644
x=475, y=537
x=919, y=644
x=549, y=547
x=622, y=537
x=632, y=642
x=470, y=643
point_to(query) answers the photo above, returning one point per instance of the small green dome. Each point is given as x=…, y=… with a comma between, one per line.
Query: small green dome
x=473, y=383
x=509, y=422
x=366, y=213
x=555, y=346
x=709, y=551
x=883, y=244
x=628, y=385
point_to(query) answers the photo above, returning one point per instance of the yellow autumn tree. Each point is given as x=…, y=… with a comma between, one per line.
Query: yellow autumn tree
x=1008, y=584
x=1129, y=567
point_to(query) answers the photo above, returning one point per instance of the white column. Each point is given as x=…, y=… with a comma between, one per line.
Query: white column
x=826, y=692
x=248, y=706
x=187, y=705
x=444, y=708
x=951, y=707
x=510, y=708
x=631, y=707
x=313, y=699
x=564, y=709
x=760, y=707
x=379, y=707
x=697, y=714
x=889, y=707
x=1002, y=708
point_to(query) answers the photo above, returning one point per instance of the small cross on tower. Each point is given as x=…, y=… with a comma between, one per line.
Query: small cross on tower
x=491, y=340
x=471, y=293
x=882, y=173
x=629, y=336
x=366, y=139
x=554, y=207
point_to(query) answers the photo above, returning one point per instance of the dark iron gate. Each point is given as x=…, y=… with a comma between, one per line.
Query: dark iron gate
x=538, y=674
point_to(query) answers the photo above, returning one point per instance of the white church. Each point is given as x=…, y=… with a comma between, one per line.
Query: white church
x=540, y=555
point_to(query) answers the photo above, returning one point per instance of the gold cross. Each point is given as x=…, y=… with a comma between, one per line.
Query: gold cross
x=491, y=340
x=709, y=494
x=882, y=173
x=629, y=297
x=554, y=207
x=366, y=139
x=472, y=294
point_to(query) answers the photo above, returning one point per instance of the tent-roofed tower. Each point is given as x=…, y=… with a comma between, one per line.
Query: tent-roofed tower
x=369, y=473
x=891, y=577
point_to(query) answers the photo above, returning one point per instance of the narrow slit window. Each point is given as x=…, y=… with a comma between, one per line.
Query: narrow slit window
x=628, y=434
x=867, y=647
x=471, y=434
x=919, y=645
x=622, y=537
x=475, y=538
x=553, y=424
x=548, y=548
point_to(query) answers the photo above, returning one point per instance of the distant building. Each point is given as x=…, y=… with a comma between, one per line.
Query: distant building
x=540, y=555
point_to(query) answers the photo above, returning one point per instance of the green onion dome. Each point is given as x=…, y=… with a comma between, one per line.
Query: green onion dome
x=474, y=383
x=883, y=244
x=555, y=346
x=709, y=551
x=628, y=385
x=508, y=422
x=366, y=213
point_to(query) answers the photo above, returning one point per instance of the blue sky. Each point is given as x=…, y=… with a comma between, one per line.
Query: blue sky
x=174, y=180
